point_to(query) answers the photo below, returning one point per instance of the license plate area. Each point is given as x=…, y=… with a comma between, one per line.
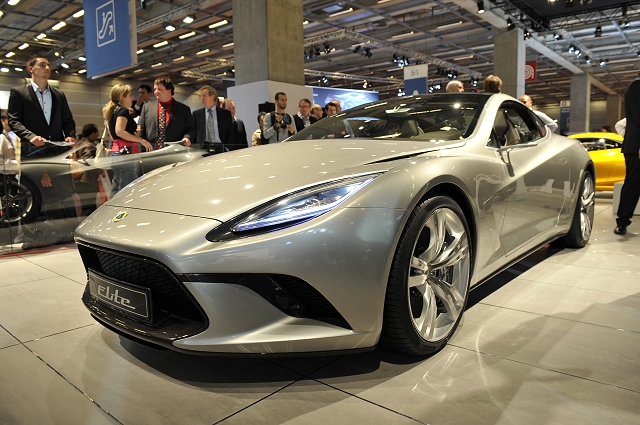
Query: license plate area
x=131, y=300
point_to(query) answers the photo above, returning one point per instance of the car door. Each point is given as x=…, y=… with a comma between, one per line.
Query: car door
x=537, y=175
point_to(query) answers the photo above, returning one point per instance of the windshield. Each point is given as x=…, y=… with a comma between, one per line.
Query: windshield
x=424, y=117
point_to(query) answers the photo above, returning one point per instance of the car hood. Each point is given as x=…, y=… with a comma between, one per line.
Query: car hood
x=223, y=186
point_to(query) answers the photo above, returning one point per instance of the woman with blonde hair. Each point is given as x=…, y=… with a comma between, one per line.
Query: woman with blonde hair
x=119, y=115
x=493, y=84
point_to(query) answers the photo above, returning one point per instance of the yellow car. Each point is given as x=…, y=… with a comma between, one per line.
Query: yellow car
x=604, y=150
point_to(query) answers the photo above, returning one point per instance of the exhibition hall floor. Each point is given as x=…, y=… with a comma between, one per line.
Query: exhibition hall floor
x=555, y=339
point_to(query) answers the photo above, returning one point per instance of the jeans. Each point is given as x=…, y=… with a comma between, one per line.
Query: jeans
x=126, y=168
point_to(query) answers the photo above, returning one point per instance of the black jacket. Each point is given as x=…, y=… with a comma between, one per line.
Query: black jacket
x=225, y=127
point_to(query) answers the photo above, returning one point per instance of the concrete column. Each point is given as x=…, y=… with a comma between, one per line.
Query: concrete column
x=509, y=61
x=268, y=41
x=269, y=56
x=614, y=110
x=580, y=101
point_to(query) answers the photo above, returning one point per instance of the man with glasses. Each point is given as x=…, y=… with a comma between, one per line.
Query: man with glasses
x=214, y=125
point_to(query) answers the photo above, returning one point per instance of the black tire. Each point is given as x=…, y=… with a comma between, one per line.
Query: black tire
x=429, y=280
x=582, y=223
x=20, y=201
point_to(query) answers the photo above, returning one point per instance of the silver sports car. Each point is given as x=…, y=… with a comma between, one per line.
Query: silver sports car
x=368, y=226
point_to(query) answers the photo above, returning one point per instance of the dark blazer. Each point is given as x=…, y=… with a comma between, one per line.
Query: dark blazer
x=631, y=143
x=225, y=127
x=180, y=123
x=27, y=120
x=240, y=134
x=300, y=123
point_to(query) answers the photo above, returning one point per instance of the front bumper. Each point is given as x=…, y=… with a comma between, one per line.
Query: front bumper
x=332, y=271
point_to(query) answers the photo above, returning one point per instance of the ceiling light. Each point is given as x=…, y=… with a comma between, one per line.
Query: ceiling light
x=82, y=58
x=219, y=24
x=408, y=34
x=367, y=52
x=603, y=62
x=463, y=58
x=178, y=59
x=155, y=65
x=78, y=14
x=162, y=43
x=23, y=46
x=449, y=25
x=187, y=35
x=4, y=69
x=305, y=22
x=383, y=1
x=1, y=13
x=64, y=65
x=357, y=49
x=557, y=36
x=10, y=54
x=82, y=71
x=342, y=12
x=598, y=31
x=365, y=84
x=572, y=48
x=638, y=53
x=481, y=6
x=59, y=25
x=18, y=69
x=169, y=26
x=202, y=52
x=139, y=52
x=568, y=4
x=227, y=45
x=188, y=19
x=13, y=2
x=587, y=60
x=41, y=36
x=510, y=24
x=138, y=70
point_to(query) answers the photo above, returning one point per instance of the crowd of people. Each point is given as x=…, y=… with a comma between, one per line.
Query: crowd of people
x=39, y=114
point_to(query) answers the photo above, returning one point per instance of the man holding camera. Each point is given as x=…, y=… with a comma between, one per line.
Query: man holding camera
x=278, y=125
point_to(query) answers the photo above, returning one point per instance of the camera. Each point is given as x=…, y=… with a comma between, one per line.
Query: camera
x=286, y=121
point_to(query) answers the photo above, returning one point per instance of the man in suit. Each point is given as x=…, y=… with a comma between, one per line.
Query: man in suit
x=144, y=96
x=165, y=119
x=631, y=149
x=38, y=112
x=214, y=126
x=239, y=132
x=304, y=118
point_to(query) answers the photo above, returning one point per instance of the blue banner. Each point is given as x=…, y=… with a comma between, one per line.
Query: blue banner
x=110, y=36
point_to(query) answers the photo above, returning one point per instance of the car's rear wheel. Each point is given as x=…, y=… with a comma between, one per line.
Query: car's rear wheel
x=582, y=223
x=429, y=280
x=20, y=201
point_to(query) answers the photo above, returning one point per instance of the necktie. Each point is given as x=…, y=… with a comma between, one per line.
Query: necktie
x=210, y=127
x=162, y=125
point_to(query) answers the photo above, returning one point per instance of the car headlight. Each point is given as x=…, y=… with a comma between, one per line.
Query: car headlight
x=304, y=205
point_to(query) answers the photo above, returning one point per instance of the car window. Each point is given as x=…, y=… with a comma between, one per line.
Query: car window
x=599, y=143
x=429, y=118
x=514, y=124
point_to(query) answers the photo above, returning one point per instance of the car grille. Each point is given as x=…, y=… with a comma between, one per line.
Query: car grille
x=168, y=293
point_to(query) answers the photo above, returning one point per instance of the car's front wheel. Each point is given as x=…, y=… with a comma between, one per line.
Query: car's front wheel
x=429, y=279
x=20, y=202
x=582, y=223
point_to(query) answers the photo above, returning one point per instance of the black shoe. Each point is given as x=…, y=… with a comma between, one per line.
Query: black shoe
x=620, y=230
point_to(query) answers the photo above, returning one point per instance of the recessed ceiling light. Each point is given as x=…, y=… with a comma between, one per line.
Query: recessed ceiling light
x=162, y=43
x=140, y=52
x=78, y=14
x=18, y=69
x=155, y=65
x=23, y=46
x=64, y=65
x=342, y=12
x=10, y=54
x=187, y=35
x=227, y=45
x=202, y=52
x=4, y=69
x=59, y=25
x=219, y=24
x=138, y=70
x=82, y=71
x=41, y=36
x=188, y=19
x=178, y=59
x=449, y=25
x=82, y=58
x=169, y=27
x=13, y=2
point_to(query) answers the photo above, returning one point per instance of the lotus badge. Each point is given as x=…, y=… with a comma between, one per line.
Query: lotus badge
x=120, y=216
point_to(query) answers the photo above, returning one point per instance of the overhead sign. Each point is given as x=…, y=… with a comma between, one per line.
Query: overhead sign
x=530, y=71
x=110, y=36
x=415, y=79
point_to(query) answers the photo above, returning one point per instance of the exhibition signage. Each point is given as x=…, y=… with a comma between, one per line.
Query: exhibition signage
x=565, y=112
x=110, y=36
x=415, y=79
x=530, y=71
x=348, y=98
